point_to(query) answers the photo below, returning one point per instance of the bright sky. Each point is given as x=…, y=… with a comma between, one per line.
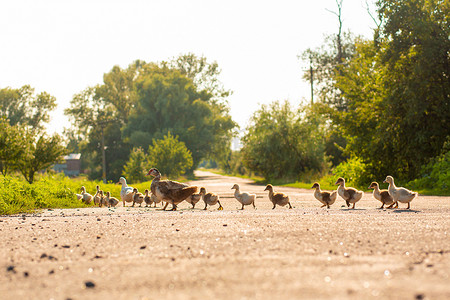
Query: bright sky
x=62, y=47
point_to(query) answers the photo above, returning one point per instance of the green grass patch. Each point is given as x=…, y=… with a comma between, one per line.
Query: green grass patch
x=53, y=191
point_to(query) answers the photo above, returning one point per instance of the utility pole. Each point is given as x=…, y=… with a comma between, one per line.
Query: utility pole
x=311, y=78
x=103, y=155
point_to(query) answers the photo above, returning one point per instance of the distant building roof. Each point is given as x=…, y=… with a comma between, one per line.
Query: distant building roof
x=72, y=156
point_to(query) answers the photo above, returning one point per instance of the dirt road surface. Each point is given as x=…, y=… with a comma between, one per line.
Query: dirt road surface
x=303, y=253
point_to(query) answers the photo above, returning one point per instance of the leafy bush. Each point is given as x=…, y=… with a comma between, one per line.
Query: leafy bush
x=170, y=156
x=136, y=165
x=285, y=143
x=354, y=171
x=435, y=176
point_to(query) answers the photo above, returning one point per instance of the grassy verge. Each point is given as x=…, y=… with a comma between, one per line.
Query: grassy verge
x=326, y=183
x=53, y=191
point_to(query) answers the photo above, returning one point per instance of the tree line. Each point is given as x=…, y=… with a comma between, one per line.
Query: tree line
x=381, y=106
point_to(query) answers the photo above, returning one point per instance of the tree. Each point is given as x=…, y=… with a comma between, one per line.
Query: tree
x=12, y=145
x=198, y=115
x=168, y=101
x=136, y=165
x=397, y=90
x=170, y=156
x=42, y=153
x=284, y=143
x=23, y=107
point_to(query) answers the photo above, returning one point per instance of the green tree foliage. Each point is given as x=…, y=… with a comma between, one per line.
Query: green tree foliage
x=168, y=101
x=12, y=146
x=23, y=107
x=170, y=156
x=23, y=146
x=397, y=90
x=41, y=153
x=435, y=176
x=136, y=166
x=144, y=102
x=284, y=143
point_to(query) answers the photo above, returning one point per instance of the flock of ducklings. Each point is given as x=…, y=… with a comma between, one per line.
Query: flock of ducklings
x=389, y=197
x=392, y=196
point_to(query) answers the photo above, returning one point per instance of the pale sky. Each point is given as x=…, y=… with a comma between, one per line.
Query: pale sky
x=63, y=47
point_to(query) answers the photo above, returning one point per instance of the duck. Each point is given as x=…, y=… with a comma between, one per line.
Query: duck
x=210, y=199
x=381, y=195
x=147, y=198
x=97, y=197
x=326, y=198
x=85, y=197
x=111, y=200
x=170, y=191
x=349, y=194
x=399, y=194
x=243, y=198
x=194, y=198
x=126, y=193
x=137, y=197
x=280, y=199
x=103, y=199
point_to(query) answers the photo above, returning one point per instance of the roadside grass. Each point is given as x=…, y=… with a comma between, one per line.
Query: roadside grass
x=54, y=191
x=326, y=183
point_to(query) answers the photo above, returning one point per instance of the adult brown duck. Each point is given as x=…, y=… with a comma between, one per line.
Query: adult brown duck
x=168, y=190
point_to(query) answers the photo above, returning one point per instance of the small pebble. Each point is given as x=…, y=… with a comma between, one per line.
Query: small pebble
x=89, y=284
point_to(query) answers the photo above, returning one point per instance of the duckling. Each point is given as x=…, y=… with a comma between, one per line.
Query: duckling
x=194, y=198
x=243, y=198
x=210, y=199
x=277, y=198
x=85, y=197
x=137, y=198
x=350, y=195
x=97, y=197
x=103, y=200
x=399, y=194
x=147, y=199
x=325, y=198
x=111, y=200
x=381, y=195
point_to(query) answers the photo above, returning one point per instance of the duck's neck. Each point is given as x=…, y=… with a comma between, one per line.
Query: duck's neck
x=270, y=193
x=236, y=192
x=154, y=182
x=376, y=190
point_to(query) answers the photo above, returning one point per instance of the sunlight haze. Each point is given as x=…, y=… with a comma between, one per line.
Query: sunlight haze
x=63, y=47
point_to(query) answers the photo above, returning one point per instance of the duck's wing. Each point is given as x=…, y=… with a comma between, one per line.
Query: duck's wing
x=171, y=184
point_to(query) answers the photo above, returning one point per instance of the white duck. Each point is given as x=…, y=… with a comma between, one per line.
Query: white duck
x=243, y=198
x=85, y=197
x=349, y=194
x=399, y=194
x=326, y=198
x=126, y=193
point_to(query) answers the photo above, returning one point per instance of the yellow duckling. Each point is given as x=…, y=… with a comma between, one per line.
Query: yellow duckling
x=325, y=198
x=210, y=199
x=350, y=195
x=137, y=197
x=111, y=200
x=277, y=198
x=381, y=195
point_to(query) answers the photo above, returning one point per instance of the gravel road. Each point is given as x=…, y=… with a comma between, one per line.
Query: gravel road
x=307, y=252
